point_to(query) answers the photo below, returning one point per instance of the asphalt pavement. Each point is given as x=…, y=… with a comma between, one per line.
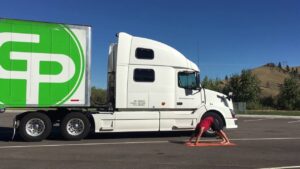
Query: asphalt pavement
x=261, y=142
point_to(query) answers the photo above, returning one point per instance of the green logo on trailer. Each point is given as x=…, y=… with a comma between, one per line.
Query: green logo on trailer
x=41, y=64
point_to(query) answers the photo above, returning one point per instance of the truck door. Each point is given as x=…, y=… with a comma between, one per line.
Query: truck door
x=187, y=100
x=188, y=95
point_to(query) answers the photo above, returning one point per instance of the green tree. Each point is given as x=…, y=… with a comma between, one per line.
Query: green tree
x=250, y=86
x=289, y=96
x=293, y=72
x=287, y=68
x=233, y=85
x=226, y=78
x=268, y=102
x=279, y=65
x=245, y=87
x=211, y=84
x=205, y=82
x=98, y=96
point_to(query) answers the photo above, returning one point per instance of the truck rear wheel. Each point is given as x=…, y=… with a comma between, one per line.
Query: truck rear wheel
x=35, y=127
x=75, y=126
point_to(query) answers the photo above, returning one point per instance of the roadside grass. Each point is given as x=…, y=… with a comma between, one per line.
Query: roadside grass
x=272, y=112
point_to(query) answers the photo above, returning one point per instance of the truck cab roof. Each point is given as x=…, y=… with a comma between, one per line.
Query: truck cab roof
x=165, y=55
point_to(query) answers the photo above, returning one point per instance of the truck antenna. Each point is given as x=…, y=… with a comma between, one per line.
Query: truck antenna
x=198, y=53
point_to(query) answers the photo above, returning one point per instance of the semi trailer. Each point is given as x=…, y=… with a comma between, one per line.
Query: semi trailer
x=46, y=67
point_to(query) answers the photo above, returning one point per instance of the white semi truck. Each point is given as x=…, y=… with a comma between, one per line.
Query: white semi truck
x=150, y=85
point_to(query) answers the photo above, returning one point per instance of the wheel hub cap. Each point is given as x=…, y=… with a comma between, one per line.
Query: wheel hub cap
x=35, y=127
x=75, y=127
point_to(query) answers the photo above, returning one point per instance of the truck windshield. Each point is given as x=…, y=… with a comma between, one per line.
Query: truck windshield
x=189, y=80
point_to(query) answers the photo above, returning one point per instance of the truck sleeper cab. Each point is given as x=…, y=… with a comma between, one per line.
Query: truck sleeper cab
x=156, y=88
x=150, y=87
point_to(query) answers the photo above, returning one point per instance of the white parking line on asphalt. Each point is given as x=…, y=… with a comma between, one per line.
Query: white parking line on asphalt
x=297, y=121
x=268, y=116
x=137, y=142
x=83, y=144
x=262, y=139
x=284, y=167
x=255, y=120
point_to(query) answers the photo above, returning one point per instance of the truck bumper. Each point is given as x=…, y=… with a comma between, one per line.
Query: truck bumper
x=231, y=123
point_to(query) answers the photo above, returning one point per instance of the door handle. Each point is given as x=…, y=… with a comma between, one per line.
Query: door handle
x=179, y=103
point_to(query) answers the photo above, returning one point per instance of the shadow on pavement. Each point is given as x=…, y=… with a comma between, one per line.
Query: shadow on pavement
x=177, y=142
x=6, y=135
x=139, y=135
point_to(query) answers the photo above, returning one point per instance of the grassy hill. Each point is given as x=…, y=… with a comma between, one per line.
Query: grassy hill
x=271, y=77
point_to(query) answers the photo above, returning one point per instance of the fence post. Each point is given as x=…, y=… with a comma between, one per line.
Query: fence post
x=239, y=107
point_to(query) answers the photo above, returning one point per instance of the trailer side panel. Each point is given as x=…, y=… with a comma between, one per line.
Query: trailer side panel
x=44, y=64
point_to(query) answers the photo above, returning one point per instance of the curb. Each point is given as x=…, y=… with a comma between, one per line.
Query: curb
x=268, y=116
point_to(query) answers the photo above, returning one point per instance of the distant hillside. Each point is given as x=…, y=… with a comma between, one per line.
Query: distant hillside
x=272, y=77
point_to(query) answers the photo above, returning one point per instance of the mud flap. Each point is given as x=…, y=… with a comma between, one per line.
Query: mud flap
x=15, y=126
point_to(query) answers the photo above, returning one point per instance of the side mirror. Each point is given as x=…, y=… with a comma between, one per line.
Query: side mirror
x=230, y=96
x=194, y=88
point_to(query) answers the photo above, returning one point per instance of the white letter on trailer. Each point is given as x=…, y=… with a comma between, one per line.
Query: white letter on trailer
x=32, y=76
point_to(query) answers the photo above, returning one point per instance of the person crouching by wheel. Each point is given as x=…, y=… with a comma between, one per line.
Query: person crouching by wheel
x=204, y=125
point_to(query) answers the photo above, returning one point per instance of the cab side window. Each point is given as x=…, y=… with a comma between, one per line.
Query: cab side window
x=188, y=80
x=144, y=75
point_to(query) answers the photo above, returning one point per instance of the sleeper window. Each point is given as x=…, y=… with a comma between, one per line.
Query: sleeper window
x=143, y=53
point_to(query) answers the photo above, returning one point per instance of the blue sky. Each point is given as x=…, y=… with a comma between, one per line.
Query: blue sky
x=226, y=36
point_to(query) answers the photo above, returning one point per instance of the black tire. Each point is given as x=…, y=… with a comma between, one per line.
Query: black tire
x=218, y=118
x=37, y=120
x=78, y=118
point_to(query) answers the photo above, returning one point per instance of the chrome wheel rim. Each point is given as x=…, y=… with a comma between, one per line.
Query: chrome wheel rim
x=75, y=126
x=210, y=131
x=35, y=127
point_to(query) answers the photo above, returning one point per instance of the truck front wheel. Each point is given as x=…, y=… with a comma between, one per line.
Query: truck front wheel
x=35, y=127
x=210, y=132
x=75, y=126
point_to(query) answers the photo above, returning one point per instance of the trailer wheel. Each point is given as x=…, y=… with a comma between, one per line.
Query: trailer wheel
x=35, y=127
x=210, y=132
x=75, y=126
